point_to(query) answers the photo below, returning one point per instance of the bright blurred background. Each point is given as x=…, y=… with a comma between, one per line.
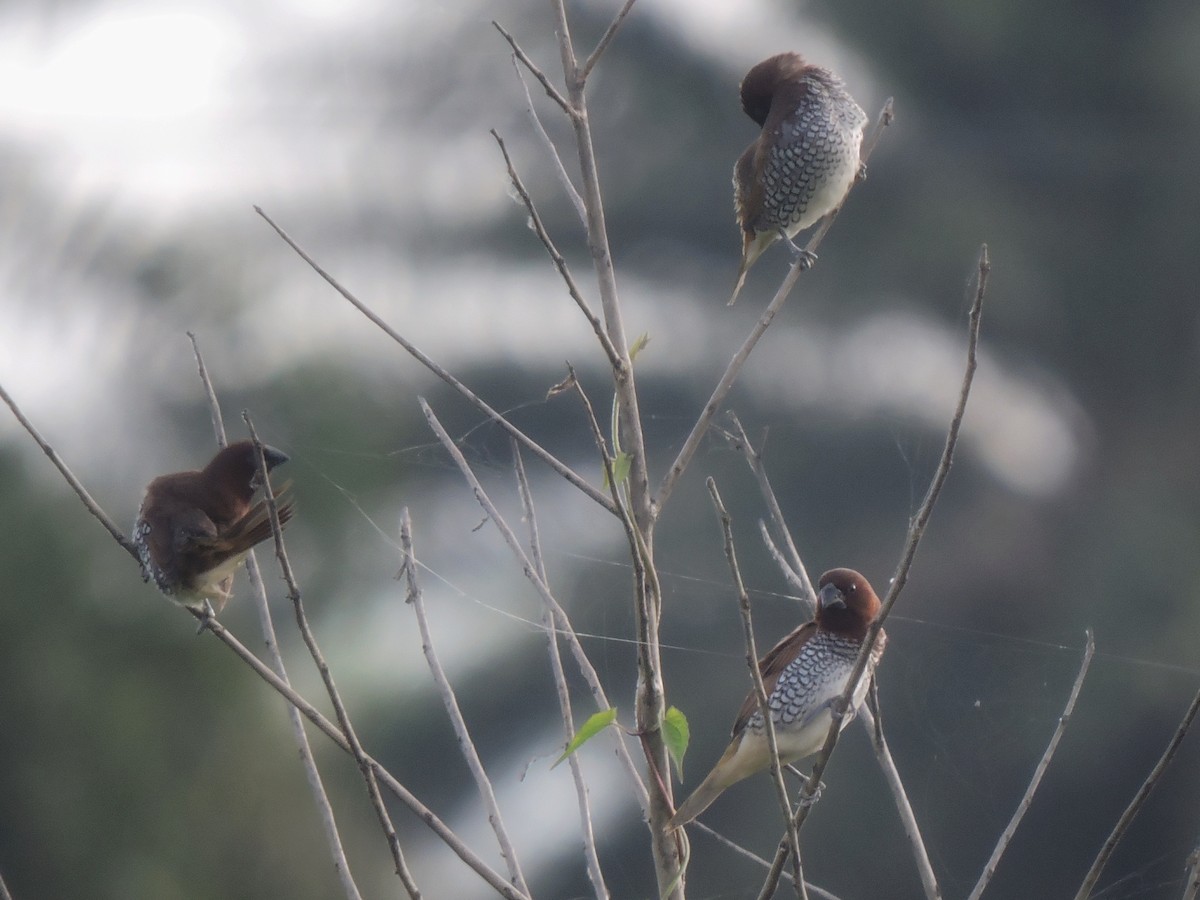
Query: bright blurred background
x=139, y=761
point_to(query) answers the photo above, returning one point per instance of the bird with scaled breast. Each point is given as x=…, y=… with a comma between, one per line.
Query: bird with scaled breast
x=805, y=160
x=194, y=528
x=804, y=675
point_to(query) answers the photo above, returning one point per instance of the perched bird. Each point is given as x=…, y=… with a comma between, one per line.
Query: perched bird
x=804, y=161
x=194, y=528
x=804, y=675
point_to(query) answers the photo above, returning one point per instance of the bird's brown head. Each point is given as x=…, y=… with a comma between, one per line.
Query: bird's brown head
x=846, y=603
x=235, y=468
x=764, y=80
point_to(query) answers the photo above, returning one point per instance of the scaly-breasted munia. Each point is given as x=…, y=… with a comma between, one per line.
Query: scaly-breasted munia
x=804, y=675
x=804, y=161
x=194, y=528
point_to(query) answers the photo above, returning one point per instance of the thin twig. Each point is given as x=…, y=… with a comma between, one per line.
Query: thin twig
x=815, y=890
x=1191, y=890
x=989, y=870
x=416, y=599
x=540, y=452
x=76, y=485
x=386, y=778
x=4, y=892
x=590, y=853
x=755, y=460
x=605, y=39
x=760, y=690
x=725, y=384
x=907, y=817
x=650, y=693
x=550, y=89
x=563, y=622
x=915, y=531
x=623, y=378
x=312, y=774
x=790, y=575
x=214, y=406
x=560, y=169
x=560, y=264
x=1135, y=806
x=339, y=708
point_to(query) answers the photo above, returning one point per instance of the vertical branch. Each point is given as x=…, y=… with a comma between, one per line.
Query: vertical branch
x=907, y=817
x=1135, y=805
x=916, y=530
x=989, y=870
x=591, y=855
x=527, y=567
x=416, y=599
x=760, y=690
x=339, y=708
x=312, y=774
x=794, y=571
x=4, y=894
x=1192, y=890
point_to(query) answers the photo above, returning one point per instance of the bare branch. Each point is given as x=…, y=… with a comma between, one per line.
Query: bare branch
x=907, y=817
x=564, y=625
x=796, y=566
x=790, y=575
x=550, y=89
x=76, y=485
x=915, y=531
x=339, y=708
x=312, y=774
x=214, y=406
x=591, y=854
x=1135, y=806
x=559, y=168
x=990, y=869
x=483, y=783
x=540, y=452
x=559, y=263
x=1190, y=892
x=4, y=893
x=760, y=691
x=334, y=733
x=692, y=443
x=816, y=891
x=605, y=40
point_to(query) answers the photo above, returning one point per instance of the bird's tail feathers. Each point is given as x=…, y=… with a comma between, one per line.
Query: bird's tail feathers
x=732, y=767
x=753, y=245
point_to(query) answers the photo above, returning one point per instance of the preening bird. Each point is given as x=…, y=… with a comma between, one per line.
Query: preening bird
x=804, y=675
x=803, y=163
x=194, y=528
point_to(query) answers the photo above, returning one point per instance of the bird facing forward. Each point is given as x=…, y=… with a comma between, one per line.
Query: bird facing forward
x=805, y=160
x=194, y=528
x=804, y=675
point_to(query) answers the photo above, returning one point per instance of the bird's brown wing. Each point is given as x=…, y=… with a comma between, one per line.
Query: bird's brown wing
x=252, y=528
x=771, y=667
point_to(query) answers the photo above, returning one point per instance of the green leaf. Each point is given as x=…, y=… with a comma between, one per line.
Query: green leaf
x=620, y=468
x=639, y=345
x=592, y=727
x=676, y=735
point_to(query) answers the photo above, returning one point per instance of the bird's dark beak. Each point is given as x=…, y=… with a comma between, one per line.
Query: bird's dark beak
x=273, y=457
x=832, y=598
